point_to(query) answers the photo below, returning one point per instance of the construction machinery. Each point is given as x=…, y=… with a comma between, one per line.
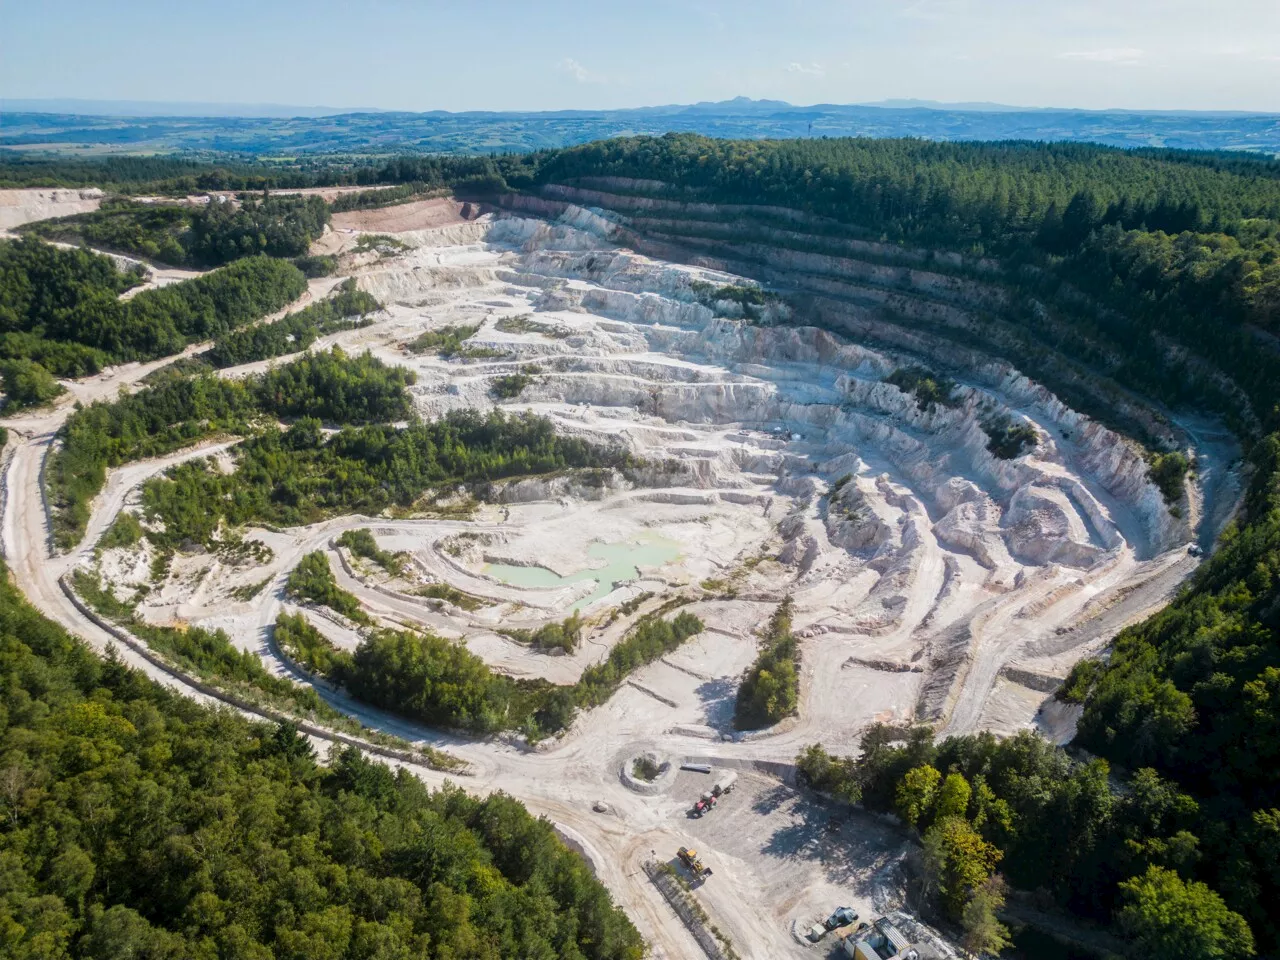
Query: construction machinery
x=843, y=922
x=705, y=804
x=842, y=917
x=693, y=862
x=724, y=784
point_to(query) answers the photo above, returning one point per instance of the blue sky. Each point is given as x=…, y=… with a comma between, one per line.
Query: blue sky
x=555, y=54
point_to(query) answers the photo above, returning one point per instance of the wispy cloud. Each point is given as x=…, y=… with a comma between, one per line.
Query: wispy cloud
x=580, y=73
x=809, y=69
x=1127, y=56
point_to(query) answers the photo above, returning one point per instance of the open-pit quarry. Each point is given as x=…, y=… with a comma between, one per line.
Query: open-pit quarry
x=933, y=581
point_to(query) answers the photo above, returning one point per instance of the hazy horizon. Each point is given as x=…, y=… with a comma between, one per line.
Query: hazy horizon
x=265, y=110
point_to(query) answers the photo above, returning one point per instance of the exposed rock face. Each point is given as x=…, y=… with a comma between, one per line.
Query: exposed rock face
x=904, y=538
x=932, y=446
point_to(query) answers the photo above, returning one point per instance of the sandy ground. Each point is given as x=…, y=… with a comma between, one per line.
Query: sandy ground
x=932, y=582
x=419, y=215
x=25, y=206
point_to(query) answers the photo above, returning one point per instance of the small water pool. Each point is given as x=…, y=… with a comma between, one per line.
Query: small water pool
x=622, y=561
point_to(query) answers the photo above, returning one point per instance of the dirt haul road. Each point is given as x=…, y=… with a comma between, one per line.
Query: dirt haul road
x=927, y=574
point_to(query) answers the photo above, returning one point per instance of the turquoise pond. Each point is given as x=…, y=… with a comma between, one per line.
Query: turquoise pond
x=621, y=563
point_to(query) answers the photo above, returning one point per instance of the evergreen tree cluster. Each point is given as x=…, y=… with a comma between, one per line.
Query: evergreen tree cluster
x=1049, y=822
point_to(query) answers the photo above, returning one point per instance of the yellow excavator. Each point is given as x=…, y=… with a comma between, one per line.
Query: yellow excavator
x=691, y=860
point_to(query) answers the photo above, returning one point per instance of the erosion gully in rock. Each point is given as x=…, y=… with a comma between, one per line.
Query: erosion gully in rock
x=938, y=583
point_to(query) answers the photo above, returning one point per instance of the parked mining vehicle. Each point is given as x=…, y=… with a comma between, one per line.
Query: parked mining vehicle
x=724, y=784
x=843, y=923
x=691, y=860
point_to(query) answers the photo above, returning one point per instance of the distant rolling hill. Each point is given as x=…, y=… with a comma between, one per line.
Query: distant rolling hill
x=96, y=127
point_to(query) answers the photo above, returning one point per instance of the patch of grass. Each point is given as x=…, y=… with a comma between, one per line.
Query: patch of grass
x=645, y=768
x=1008, y=439
x=450, y=594
x=380, y=243
x=446, y=342
x=631, y=606
x=928, y=388
x=526, y=324
x=250, y=590
x=312, y=579
x=510, y=386
x=479, y=353
x=124, y=532
x=1168, y=471
x=720, y=587
x=101, y=598
x=362, y=544
x=235, y=550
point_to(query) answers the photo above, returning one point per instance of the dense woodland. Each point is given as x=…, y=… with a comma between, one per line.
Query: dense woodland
x=178, y=411
x=441, y=683
x=1113, y=256
x=345, y=310
x=1045, y=821
x=61, y=308
x=138, y=824
x=301, y=476
x=194, y=236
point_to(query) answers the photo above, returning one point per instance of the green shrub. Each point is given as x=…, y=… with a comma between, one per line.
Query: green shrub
x=27, y=384
x=551, y=636
x=362, y=544
x=1168, y=471
x=928, y=388
x=447, y=341
x=510, y=386
x=1007, y=439
x=770, y=689
x=124, y=532
x=312, y=579
x=306, y=645
x=315, y=265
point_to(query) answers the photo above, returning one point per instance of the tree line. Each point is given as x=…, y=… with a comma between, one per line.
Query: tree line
x=300, y=475
x=346, y=309
x=61, y=308
x=183, y=235
x=441, y=683
x=770, y=688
